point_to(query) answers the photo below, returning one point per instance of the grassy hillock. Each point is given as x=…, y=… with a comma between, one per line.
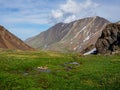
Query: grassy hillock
x=22, y=71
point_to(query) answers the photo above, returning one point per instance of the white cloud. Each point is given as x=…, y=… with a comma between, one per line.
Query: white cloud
x=72, y=10
x=57, y=13
x=23, y=11
x=89, y=4
x=70, y=18
x=31, y=11
x=70, y=7
x=34, y=19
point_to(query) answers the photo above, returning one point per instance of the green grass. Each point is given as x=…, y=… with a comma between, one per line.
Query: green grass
x=18, y=71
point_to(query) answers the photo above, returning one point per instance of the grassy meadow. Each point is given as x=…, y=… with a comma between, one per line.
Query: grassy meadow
x=20, y=71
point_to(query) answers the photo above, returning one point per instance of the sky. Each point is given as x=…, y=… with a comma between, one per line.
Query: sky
x=27, y=18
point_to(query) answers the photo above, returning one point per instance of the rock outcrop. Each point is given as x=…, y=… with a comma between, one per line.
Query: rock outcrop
x=109, y=41
x=10, y=41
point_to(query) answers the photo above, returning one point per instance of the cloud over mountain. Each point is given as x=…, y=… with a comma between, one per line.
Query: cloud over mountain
x=71, y=10
x=34, y=16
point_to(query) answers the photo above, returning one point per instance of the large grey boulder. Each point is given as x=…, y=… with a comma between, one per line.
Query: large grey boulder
x=109, y=41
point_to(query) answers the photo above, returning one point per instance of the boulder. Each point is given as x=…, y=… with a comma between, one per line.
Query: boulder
x=109, y=41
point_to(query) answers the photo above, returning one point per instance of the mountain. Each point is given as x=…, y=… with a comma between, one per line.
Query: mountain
x=109, y=41
x=79, y=35
x=10, y=41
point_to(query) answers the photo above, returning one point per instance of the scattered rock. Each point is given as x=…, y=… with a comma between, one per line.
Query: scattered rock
x=46, y=71
x=68, y=68
x=70, y=65
x=25, y=74
x=74, y=63
x=43, y=69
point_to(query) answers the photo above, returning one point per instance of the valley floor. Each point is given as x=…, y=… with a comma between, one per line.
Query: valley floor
x=56, y=71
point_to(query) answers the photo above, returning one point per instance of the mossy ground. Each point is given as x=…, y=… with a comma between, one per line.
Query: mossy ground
x=18, y=71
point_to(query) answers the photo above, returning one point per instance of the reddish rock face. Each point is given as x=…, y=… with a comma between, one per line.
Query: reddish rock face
x=9, y=41
x=109, y=41
x=75, y=36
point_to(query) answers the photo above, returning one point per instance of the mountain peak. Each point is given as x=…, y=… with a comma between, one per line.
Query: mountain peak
x=74, y=36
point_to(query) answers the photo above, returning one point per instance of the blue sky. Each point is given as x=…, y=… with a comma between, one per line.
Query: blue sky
x=26, y=18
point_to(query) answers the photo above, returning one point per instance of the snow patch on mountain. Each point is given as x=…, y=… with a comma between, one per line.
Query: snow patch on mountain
x=90, y=52
x=87, y=38
x=79, y=32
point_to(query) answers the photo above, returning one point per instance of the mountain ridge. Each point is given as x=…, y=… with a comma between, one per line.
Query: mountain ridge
x=10, y=41
x=73, y=36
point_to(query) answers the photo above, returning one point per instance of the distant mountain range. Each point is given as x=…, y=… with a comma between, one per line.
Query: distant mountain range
x=79, y=36
x=10, y=41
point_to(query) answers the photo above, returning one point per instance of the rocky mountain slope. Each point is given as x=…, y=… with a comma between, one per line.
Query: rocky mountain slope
x=9, y=41
x=79, y=35
x=118, y=22
x=109, y=41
